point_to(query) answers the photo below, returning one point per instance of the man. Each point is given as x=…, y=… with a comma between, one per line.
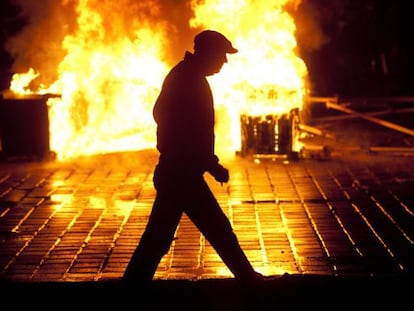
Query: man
x=184, y=114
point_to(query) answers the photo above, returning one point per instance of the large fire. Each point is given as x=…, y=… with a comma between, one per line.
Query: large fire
x=112, y=69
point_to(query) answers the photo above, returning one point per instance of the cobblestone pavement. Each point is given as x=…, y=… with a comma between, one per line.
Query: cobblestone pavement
x=81, y=220
x=327, y=232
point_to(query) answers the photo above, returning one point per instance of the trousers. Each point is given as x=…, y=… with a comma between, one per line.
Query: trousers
x=179, y=193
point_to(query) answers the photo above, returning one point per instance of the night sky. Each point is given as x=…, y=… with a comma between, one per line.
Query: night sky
x=353, y=48
x=11, y=23
x=366, y=50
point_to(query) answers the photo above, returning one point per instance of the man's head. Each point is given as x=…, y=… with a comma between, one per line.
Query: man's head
x=211, y=48
x=213, y=41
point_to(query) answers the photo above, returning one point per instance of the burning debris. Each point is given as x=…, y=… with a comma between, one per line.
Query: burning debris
x=109, y=59
x=270, y=135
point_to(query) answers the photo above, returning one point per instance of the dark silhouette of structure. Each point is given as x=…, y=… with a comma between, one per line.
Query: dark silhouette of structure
x=184, y=113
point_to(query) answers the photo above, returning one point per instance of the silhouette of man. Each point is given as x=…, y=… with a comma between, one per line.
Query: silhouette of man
x=184, y=114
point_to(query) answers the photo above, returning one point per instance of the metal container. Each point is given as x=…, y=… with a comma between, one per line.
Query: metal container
x=24, y=128
x=268, y=134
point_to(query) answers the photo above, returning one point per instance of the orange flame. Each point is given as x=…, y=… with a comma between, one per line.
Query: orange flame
x=108, y=81
x=20, y=81
x=266, y=76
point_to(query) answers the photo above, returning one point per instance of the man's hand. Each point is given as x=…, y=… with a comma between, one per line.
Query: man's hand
x=220, y=173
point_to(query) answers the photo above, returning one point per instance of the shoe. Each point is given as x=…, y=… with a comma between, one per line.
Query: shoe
x=253, y=279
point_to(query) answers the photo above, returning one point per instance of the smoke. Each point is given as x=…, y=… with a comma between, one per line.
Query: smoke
x=40, y=43
x=309, y=20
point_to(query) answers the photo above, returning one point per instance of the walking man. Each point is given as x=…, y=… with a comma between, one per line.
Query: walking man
x=184, y=114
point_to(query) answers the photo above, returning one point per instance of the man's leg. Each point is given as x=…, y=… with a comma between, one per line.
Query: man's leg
x=209, y=218
x=155, y=241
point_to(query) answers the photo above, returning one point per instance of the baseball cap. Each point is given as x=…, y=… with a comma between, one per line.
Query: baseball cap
x=210, y=39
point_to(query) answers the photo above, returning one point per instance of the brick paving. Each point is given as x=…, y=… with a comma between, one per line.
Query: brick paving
x=349, y=215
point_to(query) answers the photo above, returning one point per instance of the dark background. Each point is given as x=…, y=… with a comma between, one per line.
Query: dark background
x=366, y=47
x=352, y=48
x=11, y=23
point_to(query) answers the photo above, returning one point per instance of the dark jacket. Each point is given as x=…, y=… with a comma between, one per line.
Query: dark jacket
x=184, y=114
